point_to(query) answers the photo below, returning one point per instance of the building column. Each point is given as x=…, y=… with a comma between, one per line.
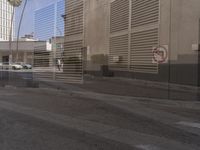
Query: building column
x=25, y=57
x=0, y=56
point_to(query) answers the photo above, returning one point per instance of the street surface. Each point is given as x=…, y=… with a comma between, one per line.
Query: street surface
x=50, y=119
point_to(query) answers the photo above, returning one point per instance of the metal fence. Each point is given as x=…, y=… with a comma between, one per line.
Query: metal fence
x=64, y=63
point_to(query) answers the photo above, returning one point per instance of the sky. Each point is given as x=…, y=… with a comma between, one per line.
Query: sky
x=28, y=20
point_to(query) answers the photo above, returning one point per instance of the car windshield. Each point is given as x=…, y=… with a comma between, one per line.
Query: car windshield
x=99, y=74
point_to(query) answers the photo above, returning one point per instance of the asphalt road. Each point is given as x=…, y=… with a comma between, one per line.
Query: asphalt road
x=49, y=119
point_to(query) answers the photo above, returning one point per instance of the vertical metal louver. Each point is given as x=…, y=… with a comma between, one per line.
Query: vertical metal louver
x=72, y=58
x=119, y=15
x=119, y=52
x=142, y=44
x=144, y=35
x=43, y=63
x=74, y=17
x=72, y=71
x=144, y=12
x=119, y=39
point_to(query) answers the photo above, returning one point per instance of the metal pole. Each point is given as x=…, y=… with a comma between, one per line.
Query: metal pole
x=10, y=36
x=199, y=58
x=10, y=44
x=170, y=48
x=19, y=28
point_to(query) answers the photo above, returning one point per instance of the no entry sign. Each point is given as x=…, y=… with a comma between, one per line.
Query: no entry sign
x=160, y=54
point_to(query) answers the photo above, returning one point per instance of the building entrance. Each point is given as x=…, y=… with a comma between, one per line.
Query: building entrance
x=5, y=59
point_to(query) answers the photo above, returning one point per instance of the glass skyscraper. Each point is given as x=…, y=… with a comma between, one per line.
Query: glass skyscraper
x=49, y=22
x=5, y=20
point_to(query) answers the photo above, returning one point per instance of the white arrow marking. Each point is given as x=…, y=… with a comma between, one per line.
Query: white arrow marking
x=189, y=124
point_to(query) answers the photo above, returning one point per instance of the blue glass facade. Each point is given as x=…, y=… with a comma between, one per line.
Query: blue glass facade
x=49, y=21
x=59, y=20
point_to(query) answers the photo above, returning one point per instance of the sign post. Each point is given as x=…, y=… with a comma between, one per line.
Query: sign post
x=161, y=56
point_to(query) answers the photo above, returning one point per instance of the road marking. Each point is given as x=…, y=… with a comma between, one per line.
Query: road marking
x=189, y=124
x=147, y=147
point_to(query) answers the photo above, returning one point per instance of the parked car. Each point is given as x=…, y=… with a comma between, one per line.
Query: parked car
x=1, y=66
x=24, y=65
x=27, y=66
x=16, y=66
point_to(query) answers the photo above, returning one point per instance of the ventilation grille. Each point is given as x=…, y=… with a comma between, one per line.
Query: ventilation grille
x=135, y=49
x=145, y=12
x=72, y=58
x=119, y=15
x=142, y=44
x=43, y=64
x=118, y=58
x=42, y=58
x=74, y=17
x=43, y=74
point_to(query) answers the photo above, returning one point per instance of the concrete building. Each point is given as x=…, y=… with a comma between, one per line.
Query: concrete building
x=152, y=40
x=27, y=37
x=26, y=50
x=5, y=20
x=48, y=21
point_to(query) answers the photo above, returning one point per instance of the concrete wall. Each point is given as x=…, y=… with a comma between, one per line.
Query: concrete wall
x=96, y=32
x=179, y=29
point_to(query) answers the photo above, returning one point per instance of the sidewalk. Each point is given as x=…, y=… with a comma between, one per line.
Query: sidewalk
x=130, y=87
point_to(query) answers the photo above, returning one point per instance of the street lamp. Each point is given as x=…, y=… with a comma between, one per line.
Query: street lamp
x=20, y=23
x=17, y=3
x=13, y=3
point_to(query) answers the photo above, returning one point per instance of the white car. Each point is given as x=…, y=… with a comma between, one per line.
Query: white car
x=24, y=65
x=16, y=66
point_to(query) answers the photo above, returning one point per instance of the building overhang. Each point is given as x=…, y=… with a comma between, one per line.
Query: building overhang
x=25, y=46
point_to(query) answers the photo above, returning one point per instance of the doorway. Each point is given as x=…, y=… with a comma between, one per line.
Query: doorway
x=5, y=60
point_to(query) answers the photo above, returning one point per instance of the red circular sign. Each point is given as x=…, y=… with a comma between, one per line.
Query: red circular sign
x=160, y=54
